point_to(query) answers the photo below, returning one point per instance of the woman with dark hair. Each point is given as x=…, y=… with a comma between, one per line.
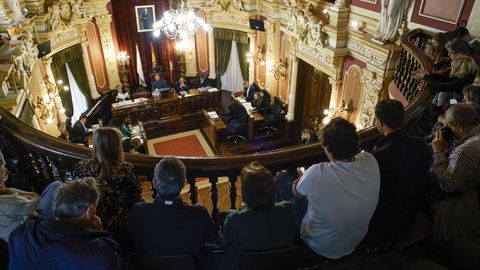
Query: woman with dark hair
x=115, y=177
x=262, y=225
x=439, y=53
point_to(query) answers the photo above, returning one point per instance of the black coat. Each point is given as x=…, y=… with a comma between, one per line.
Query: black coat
x=404, y=162
x=78, y=133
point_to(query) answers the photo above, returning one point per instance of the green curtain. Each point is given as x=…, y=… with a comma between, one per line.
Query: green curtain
x=223, y=49
x=60, y=73
x=227, y=34
x=80, y=75
x=242, y=50
x=73, y=57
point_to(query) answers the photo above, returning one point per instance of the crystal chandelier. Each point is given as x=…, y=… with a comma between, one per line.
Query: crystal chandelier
x=179, y=23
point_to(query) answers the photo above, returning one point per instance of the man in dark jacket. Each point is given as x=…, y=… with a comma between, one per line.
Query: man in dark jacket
x=404, y=162
x=168, y=226
x=80, y=130
x=74, y=241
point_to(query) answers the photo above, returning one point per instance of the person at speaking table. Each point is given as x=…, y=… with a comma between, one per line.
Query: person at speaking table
x=159, y=83
x=181, y=85
x=201, y=81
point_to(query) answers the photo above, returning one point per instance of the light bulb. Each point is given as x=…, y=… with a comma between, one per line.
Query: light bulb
x=51, y=95
x=62, y=110
x=60, y=82
x=206, y=27
x=49, y=120
x=156, y=33
x=326, y=120
x=326, y=111
x=66, y=88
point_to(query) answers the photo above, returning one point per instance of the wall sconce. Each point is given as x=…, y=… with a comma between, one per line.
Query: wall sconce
x=123, y=60
x=258, y=57
x=356, y=26
x=280, y=72
x=45, y=109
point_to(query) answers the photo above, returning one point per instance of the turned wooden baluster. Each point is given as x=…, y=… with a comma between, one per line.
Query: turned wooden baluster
x=214, y=196
x=233, y=191
x=193, y=189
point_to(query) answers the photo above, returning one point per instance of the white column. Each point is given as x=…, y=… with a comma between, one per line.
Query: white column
x=292, y=88
x=251, y=66
x=211, y=55
x=103, y=23
x=88, y=68
x=334, y=93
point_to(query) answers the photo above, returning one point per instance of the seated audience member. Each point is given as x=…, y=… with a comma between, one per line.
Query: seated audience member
x=342, y=194
x=80, y=130
x=270, y=225
x=138, y=146
x=404, y=162
x=459, y=47
x=74, y=240
x=249, y=90
x=457, y=169
x=159, y=83
x=116, y=179
x=181, y=85
x=462, y=73
x=15, y=205
x=471, y=95
x=201, y=81
x=168, y=226
x=45, y=207
x=439, y=53
x=476, y=82
x=463, y=33
x=308, y=136
x=126, y=128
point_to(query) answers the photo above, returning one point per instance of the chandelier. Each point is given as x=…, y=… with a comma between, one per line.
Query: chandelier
x=179, y=23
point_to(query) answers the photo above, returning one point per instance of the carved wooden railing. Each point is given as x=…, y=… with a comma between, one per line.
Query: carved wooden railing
x=40, y=158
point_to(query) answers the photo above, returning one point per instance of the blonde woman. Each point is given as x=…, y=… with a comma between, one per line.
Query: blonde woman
x=15, y=205
x=118, y=185
x=462, y=73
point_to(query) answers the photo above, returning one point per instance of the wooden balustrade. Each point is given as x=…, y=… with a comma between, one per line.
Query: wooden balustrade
x=40, y=158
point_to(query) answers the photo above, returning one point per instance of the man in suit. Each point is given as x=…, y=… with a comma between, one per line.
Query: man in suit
x=249, y=90
x=159, y=83
x=168, y=226
x=201, y=81
x=181, y=85
x=80, y=130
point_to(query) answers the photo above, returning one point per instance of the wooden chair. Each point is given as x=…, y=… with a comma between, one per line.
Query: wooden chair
x=155, y=262
x=285, y=259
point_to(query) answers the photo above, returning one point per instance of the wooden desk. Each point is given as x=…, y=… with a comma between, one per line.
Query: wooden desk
x=173, y=106
x=212, y=127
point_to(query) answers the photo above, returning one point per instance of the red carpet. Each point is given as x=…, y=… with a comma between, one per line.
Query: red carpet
x=184, y=146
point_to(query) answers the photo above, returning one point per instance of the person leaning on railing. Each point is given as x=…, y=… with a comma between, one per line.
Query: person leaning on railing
x=116, y=178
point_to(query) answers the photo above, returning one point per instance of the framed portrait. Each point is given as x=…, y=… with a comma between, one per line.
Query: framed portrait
x=145, y=17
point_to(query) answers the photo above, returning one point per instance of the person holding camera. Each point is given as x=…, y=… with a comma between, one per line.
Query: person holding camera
x=457, y=169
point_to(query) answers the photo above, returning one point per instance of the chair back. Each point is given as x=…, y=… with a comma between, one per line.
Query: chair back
x=285, y=259
x=155, y=262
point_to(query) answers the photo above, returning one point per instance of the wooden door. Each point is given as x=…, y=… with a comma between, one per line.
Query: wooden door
x=313, y=95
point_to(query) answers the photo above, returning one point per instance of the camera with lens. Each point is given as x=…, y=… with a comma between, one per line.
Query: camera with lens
x=447, y=135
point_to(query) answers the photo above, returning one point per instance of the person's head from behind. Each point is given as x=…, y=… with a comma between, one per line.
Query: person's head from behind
x=339, y=139
x=389, y=115
x=461, y=119
x=157, y=77
x=458, y=47
x=471, y=95
x=169, y=177
x=258, y=187
x=107, y=150
x=76, y=200
x=463, y=66
x=439, y=40
x=3, y=172
x=463, y=33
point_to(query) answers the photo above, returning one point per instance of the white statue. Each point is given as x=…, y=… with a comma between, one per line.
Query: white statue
x=391, y=18
x=77, y=9
x=14, y=6
x=55, y=19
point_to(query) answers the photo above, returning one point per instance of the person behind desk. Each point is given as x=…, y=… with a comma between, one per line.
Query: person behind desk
x=80, y=130
x=248, y=90
x=181, y=85
x=159, y=83
x=125, y=128
x=201, y=81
